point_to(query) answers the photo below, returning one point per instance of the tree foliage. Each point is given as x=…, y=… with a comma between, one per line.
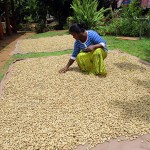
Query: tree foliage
x=60, y=9
x=36, y=10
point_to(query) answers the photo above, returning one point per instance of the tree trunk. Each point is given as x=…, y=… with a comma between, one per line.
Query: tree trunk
x=13, y=17
x=8, y=29
x=1, y=30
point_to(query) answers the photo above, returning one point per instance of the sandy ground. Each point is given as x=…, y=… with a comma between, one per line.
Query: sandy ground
x=42, y=109
x=48, y=44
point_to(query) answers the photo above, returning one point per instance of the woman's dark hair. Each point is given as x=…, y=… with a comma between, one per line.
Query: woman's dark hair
x=77, y=28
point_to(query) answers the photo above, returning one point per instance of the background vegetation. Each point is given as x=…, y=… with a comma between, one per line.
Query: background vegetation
x=100, y=15
x=128, y=21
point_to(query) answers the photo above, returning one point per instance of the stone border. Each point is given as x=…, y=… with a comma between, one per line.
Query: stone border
x=141, y=143
x=7, y=76
x=16, y=50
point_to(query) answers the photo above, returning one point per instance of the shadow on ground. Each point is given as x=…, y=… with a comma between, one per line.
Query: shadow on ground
x=127, y=66
x=145, y=84
x=76, y=69
x=138, y=109
x=9, y=39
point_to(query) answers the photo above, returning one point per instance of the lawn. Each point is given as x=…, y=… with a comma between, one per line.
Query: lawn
x=50, y=33
x=139, y=48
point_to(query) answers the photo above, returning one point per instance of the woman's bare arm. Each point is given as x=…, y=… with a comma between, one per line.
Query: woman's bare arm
x=65, y=69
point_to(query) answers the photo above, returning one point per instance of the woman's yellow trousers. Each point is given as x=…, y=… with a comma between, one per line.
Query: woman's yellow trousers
x=92, y=62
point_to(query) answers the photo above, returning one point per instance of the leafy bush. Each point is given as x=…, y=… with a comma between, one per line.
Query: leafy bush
x=40, y=27
x=70, y=21
x=124, y=26
x=27, y=26
x=85, y=11
x=127, y=24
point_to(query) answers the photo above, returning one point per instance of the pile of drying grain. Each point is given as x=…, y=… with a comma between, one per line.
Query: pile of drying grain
x=48, y=44
x=42, y=109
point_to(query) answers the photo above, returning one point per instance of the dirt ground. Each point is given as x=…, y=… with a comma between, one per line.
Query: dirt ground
x=7, y=45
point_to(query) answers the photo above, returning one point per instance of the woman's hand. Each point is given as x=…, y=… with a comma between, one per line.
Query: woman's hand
x=63, y=70
x=94, y=47
x=90, y=48
x=66, y=68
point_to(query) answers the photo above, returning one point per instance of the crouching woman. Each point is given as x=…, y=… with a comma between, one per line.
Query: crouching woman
x=89, y=51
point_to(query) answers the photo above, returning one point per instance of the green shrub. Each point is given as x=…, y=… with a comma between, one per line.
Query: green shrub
x=70, y=21
x=120, y=26
x=40, y=27
x=27, y=27
x=127, y=23
x=85, y=11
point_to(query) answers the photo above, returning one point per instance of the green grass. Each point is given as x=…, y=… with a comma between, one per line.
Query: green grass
x=43, y=54
x=139, y=48
x=1, y=76
x=4, y=69
x=49, y=34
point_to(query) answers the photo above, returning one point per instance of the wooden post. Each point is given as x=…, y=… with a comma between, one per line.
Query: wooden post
x=8, y=29
x=1, y=29
x=141, y=26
